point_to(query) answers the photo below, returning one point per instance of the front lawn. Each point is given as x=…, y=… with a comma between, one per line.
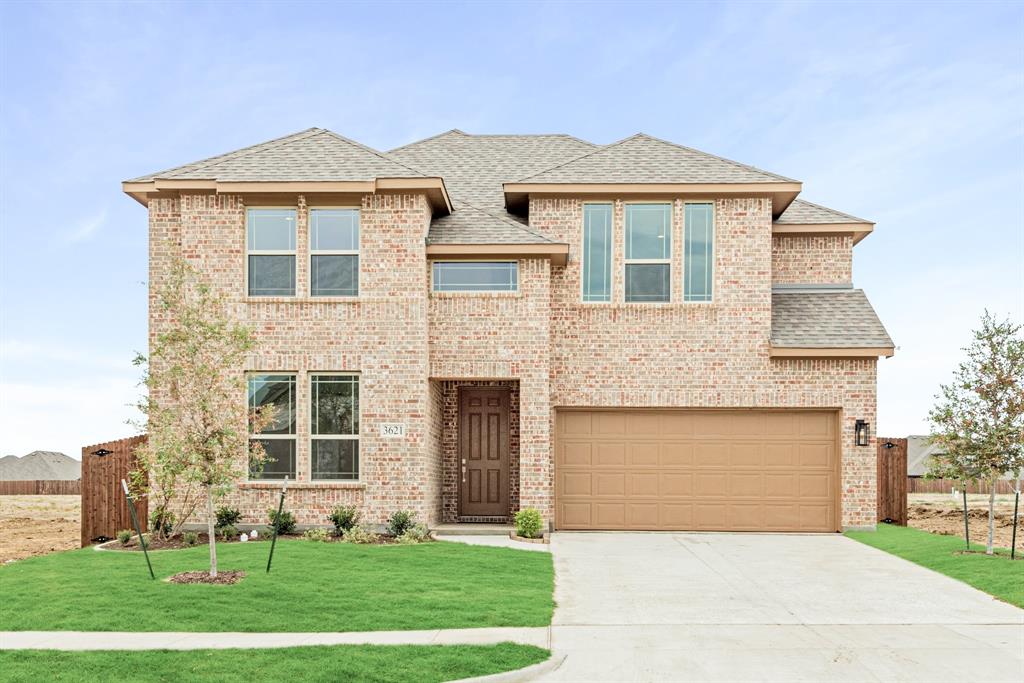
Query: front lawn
x=312, y=587
x=997, y=576
x=374, y=663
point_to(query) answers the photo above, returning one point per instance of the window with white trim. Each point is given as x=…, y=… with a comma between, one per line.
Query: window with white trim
x=698, y=252
x=334, y=252
x=476, y=276
x=597, y=252
x=334, y=426
x=275, y=392
x=270, y=252
x=648, y=252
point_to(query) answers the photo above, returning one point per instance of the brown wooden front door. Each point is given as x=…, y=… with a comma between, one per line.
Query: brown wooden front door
x=483, y=452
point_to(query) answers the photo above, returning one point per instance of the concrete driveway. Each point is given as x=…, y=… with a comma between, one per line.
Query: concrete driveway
x=757, y=607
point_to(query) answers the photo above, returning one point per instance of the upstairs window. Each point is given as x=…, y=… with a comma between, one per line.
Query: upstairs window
x=270, y=248
x=278, y=437
x=334, y=426
x=648, y=252
x=334, y=252
x=597, y=252
x=476, y=276
x=698, y=252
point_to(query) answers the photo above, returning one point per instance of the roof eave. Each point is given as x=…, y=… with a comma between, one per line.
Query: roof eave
x=433, y=187
x=858, y=230
x=782, y=193
x=557, y=252
x=831, y=351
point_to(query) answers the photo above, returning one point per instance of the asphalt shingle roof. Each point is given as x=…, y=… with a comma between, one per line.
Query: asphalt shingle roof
x=802, y=212
x=474, y=167
x=469, y=224
x=645, y=159
x=314, y=154
x=826, y=319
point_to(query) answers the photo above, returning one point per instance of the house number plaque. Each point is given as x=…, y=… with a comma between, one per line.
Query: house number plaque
x=392, y=430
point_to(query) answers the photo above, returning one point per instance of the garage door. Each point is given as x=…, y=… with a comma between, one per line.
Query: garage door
x=696, y=470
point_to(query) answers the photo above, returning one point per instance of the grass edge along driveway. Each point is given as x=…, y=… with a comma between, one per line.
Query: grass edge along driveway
x=313, y=587
x=997, y=576
x=376, y=663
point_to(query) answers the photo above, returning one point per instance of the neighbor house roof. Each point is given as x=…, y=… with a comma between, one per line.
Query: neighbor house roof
x=919, y=454
x=807, y=320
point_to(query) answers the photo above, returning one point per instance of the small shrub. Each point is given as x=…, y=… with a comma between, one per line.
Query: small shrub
x=360, y=535
x=344, y=517
x=285, y=524
x=317, y=535
x=229, y=532
x=401, y=521
x=190, y=538
x=124, y=535
x=529, y=523
x=161, y=522
x=417, y=533
x=227, y=516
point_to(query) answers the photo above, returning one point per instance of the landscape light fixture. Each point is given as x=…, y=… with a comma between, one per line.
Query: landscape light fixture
x=860, y=430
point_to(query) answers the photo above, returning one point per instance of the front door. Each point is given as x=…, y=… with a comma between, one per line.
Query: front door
x=483, y=452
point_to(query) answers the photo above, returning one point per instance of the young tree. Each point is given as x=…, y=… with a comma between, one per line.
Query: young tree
x=978, y=419
x=195, y=415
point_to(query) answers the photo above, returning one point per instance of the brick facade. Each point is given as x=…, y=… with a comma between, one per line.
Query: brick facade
x=413, y=350
x=812, y=260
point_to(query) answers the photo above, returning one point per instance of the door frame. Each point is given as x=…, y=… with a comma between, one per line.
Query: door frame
x=459, y=434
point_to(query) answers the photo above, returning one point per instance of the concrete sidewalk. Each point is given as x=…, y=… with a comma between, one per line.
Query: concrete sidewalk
x=118, y=640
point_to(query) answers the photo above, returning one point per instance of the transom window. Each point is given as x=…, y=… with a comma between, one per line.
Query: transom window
x=597, y=252
x=278, y=437
x=648, y=252
x=475, y=276
x=334, y=252
x=334, y=426
x=270, y=248
x=698, y=252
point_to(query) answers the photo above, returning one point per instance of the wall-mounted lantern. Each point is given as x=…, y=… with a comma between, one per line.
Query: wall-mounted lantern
x=101, y=452
x=860, y=432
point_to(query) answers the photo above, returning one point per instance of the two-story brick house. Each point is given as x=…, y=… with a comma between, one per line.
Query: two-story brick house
x=630, y=336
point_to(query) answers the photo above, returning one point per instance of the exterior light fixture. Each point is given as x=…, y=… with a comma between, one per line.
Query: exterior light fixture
x=101, y=452
x=860, y=431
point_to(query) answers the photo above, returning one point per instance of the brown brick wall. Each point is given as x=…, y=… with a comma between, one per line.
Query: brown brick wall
x=812, y=260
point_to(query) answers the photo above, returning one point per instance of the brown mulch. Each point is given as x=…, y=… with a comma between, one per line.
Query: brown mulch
x=222, y=578
x=178, y=542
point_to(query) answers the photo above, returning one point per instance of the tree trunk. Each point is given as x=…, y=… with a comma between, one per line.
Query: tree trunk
x=211, y=531
x=991, y=513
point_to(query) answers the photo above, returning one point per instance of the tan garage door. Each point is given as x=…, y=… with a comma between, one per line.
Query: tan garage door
x=696, y=470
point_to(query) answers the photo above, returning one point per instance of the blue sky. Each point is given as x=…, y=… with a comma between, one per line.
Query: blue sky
x=911, y=115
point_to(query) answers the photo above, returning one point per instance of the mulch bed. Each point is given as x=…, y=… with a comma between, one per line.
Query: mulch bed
x=178, y=542
x=222, y=578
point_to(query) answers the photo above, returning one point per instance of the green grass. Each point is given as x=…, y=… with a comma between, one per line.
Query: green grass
x=312, y=587
x=372, y=663
x=996, y=575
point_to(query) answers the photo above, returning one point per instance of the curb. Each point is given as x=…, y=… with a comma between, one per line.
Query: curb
x=527, y=673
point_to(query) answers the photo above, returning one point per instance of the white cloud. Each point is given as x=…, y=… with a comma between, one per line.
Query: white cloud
x=86, y=229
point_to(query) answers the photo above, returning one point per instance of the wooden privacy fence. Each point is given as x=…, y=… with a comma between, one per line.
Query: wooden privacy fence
x=104, y=506
x=892, y=481
x=922, y=485
x=41, y=487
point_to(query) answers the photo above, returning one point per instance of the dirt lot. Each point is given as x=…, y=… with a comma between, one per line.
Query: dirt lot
x=36, y=525
x=940, y=513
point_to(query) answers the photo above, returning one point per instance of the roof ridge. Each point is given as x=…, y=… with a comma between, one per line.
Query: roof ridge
x=432, y=137
x=234, y=154
x=507, y=220
x=598, y=148
x=371, y=150
x=715, y=156
x=831, y=210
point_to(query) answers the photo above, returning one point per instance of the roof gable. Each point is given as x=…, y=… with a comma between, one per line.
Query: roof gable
x=642, y=158
x=803, y=212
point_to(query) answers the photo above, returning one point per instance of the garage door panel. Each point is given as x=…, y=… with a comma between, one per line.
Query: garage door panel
x=696, y=470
